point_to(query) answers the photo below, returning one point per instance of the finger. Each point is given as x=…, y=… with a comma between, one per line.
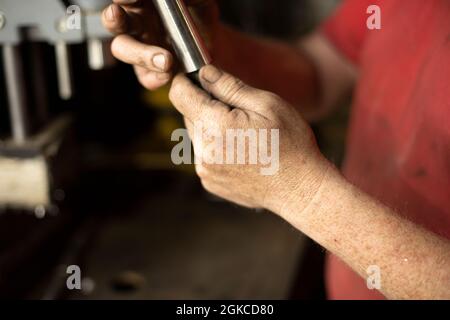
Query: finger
x=152, y=80
x=114, y=19
x=189, y=126
x=128, y=2
x=193, y=103
x=118, y=20
x=229, y=89
x=129, y=50
x=137, y=6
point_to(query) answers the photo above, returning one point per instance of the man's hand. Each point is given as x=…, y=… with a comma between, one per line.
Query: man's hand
x=227, y=103
x=308, y=191
x=141, y=39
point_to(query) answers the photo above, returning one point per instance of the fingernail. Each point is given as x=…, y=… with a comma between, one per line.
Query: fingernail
x=159, y=61
x=211, y=74
x=109, y=14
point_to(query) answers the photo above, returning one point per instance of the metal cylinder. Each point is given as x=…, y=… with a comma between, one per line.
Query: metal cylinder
x=15, y=86
x=98, y=47
x=64, y=71
x=186, y=40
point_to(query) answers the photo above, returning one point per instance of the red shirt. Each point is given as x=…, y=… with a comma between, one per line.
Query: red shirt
x=399, y=140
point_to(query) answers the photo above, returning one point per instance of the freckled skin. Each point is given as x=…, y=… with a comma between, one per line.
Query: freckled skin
x=311, y=194
x=308, y=191
x=369, y=233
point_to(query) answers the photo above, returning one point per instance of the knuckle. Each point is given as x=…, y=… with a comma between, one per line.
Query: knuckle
x=206, y=101
x=235, y=117
x=211, y=187
x=207, y=186
x=270, y=98
x=233, y=87
x=145, y=82
x=117, y=26
x=213, y=103
x=144, y=58
x=115, y=45
x=201, y=171
x=121, y=26
x=149, y=84
x=175, y=91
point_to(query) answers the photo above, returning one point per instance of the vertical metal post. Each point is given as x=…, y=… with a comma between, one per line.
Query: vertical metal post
x=63, y=69
x=95, y=54
x=15, y=86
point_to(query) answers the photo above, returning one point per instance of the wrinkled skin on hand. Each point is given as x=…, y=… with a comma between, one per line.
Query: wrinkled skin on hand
x=142, y=41
x=227, y=103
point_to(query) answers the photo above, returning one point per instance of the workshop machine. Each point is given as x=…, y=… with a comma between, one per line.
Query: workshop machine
x=58, y=78
x=29, y=174
x=33, y=133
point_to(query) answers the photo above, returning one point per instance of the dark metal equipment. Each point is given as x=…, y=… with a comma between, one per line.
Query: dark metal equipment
x=36, y=131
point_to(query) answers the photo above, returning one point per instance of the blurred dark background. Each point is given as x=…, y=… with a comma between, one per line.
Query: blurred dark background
x=139, y=227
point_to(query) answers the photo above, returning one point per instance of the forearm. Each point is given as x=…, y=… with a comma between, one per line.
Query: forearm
x=414, y=263
x=269, y=65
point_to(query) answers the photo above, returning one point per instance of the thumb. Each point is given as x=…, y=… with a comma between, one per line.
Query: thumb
x=228, y=89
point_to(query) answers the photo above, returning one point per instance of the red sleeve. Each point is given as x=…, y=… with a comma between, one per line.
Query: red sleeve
x=347, y=28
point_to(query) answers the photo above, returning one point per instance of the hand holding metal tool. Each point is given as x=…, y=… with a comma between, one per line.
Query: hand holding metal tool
x=185, y=37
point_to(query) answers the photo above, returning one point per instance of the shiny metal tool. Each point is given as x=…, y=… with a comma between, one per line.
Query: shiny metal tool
x=186, y=40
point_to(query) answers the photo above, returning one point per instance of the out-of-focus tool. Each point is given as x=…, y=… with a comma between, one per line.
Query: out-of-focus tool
x=186, y=40
x=37, y=133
